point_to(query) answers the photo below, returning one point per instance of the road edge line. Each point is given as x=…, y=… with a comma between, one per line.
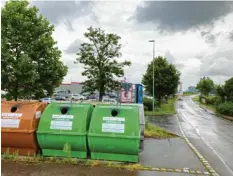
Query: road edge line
x=205, y=163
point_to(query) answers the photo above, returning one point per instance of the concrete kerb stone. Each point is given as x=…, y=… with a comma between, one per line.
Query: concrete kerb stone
x=144, y=168
x=201, y=158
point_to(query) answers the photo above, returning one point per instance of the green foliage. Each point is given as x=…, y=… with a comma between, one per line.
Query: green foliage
x=148, y=104
x=221, y=92
x=165, y=109
x=205, y=85
x=228, y=89
x=99, y=59
x=225, y=108
x=152, y=131
x=30, y=58
x=211, y=100
x=67, y=150
x=166, y=78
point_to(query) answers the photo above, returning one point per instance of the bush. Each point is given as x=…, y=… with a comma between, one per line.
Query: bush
x=148, y=104
x=225, y=108
x=214, y=100
x=211, y=100
x=145, y=108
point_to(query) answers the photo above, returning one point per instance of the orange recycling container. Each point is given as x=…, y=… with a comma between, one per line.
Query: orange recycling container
x=19, y=122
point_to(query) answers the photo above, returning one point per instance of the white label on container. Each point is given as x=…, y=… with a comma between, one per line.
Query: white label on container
x=61, y=122
x=38, y=114
x=10, y=120
x=113, y=124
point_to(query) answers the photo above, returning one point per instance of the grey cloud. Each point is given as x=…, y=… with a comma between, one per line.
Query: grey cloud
x=217, y=64
x=210, y=37
x=69, y=25
x=180, y=66
x=74, y=47
x=203, y=33
x=182, y=15
x=231, y=36
x=56, y=11
x=171, y=59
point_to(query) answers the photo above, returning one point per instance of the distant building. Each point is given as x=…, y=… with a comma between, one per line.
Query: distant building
x=192, y=89
x=73, y=87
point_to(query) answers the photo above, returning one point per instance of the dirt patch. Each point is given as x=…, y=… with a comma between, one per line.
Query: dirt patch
x=47, y=169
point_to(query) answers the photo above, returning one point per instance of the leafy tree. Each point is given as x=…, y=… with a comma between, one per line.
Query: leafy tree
x=30, y=59
x=99, y=59
x=205, y=85
x=228, y=88
x=166, y=78
x=221, y=92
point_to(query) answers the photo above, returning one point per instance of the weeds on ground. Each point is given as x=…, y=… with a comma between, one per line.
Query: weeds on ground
x=12, y=157
x=95, y=163
x=164, y=110
x=152, y=131
x=132, y=167
x=68, y=158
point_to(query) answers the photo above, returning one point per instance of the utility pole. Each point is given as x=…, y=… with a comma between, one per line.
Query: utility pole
x=153, y=74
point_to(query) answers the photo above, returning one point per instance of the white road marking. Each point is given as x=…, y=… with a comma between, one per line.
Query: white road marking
x=198, y=132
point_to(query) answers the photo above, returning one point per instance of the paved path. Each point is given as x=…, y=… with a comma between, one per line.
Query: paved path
x=211, y=135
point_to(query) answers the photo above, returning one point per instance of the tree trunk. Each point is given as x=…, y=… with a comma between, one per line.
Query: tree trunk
x=101, y=92
x=16, y=93
x=159, y=101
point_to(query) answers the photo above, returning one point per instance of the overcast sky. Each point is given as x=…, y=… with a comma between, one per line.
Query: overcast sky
x=195, y=36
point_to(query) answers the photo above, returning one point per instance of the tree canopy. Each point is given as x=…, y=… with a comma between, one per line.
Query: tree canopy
x=205, y=85
x=166, y=78
x=228, y=89
x=99, y=57
x=30, y=58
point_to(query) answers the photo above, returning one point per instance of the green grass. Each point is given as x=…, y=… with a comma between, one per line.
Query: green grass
x=208, y=106
x=165, y=109
x=195, y=99
x=152, y=131
x=188, y=93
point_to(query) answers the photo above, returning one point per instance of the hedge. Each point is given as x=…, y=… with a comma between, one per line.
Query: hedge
x=225, y=108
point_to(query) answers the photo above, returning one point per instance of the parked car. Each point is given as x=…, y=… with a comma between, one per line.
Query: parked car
x=109, y=100
x=180, y=98
x=93, y=96
x=47, y=100
x=77, y=97
x=60, y=97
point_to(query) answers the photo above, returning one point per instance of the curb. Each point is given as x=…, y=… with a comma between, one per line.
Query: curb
x=121, y=165
x=199, y=155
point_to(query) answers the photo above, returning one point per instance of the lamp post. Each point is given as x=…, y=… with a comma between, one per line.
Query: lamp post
x=153, y=41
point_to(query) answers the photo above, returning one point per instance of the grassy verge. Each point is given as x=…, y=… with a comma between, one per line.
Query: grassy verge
x=165, y=109
x=208, y=106
x=152, y=131
x=211, y=108
x=84, y=162
x=188, y=93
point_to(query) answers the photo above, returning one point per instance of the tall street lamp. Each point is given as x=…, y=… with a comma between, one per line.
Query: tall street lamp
x=153, y=41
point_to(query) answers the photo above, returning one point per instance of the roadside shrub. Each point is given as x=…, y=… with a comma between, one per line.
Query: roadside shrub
x=214, y=100
x=148, y=104
x=211, y=100
x=145, y=108
x=225, y=108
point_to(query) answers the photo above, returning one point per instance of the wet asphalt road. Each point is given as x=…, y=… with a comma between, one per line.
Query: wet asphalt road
x=211, y=135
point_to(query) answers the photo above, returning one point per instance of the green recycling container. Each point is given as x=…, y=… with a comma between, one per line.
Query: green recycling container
x=114, y=133
x=63, y=129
